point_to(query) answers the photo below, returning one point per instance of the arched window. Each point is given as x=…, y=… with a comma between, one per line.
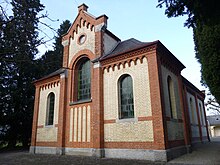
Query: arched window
x=50, y=109
x=126, y=101
x=201, y=112
x=172, y=100
x=192, y=110
x=84, y=81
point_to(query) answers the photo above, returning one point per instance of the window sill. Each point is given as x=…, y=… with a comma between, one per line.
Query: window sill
x=80, y=102
x=174, y=120
x=128, y=120
x=49, y=126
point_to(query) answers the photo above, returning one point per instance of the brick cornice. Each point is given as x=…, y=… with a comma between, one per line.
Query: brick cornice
x=169, y=60
x=128, y=57
x=45, y=82
x=192, y=89
x=166, y=63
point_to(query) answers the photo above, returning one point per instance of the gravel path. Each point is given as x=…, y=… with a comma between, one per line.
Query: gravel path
x=207, y=153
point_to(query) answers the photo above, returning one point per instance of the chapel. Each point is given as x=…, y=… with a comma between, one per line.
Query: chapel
x=116, y=99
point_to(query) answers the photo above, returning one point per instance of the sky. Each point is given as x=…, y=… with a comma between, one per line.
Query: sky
x=139, y=19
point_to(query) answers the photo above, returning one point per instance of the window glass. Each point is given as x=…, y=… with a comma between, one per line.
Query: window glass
x=126, y=97
x=50, y=109
x=201, y=111
x=172, y=100
x=84, y=80
x=192, y=111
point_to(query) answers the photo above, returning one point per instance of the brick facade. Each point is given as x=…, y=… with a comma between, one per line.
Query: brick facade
x=92, y=127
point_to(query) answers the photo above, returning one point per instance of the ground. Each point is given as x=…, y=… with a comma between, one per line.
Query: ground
x=207, y=153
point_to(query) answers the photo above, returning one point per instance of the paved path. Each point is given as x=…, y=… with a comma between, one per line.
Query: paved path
x=207, y=153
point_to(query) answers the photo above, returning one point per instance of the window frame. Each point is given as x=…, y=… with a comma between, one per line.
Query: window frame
x=50, y=111
x=192, y=111
x=130, y=114
x=74, y=98
x=172, y=98
x=201, y=114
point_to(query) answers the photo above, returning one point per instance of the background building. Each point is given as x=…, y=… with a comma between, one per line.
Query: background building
x=214, y=125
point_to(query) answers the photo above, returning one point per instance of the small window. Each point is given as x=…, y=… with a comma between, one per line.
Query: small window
x=50, y=108
x=84, y=81
x=126, y=101
x=172, y=100
x=82, y=39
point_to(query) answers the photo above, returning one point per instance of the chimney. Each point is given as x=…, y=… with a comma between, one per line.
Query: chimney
x=82, y=7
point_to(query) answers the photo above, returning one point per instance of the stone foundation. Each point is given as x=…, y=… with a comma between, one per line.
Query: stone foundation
x=139, y=154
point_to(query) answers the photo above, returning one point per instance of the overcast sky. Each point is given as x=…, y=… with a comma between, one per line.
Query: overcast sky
x=138, y=19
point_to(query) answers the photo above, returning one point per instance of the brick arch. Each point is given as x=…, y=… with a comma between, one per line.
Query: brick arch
x=82, y=53
x=74, y=64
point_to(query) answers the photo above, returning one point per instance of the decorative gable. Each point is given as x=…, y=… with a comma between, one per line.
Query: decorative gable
x=84, y=34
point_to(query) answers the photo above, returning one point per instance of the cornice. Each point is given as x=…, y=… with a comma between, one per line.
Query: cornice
x=128, y=56
x=48, y=83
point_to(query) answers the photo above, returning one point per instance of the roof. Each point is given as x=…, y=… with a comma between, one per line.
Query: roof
x=214, y=120
x=126, y=46
x=189, y=84
x=57, y=72
x=133, y=44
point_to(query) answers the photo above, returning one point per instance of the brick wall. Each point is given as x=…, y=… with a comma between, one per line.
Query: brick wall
x=89, y=43
x=48, y=133
x=175, y=127
x=129, y=130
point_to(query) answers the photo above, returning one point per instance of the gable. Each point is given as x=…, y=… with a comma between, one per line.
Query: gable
x=83, y=38
x=85, y=34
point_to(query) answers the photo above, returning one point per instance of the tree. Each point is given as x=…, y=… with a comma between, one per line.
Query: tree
x=19, y=38
x=204, y=18
x=58, y=47
x=52, y=60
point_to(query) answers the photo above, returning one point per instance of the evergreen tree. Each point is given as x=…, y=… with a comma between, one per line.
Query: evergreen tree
x=204, y=18
x=20, y=39
x=58, y=47
x=52, y=60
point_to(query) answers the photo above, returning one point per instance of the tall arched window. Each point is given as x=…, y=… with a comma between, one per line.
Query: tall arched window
x=84, y=81
x=50, y=109
x=201, y=112
x=126, y=101
x=192, y=111
x=172, y=100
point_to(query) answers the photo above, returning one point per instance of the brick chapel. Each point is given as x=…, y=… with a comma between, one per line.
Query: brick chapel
x=116, y=99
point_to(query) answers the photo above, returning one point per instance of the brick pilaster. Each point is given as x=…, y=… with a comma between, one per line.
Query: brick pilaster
x=62, y=110
x=97, y=109
x=163, y=111
x=156, y=104
x=206, y=123
x=184, y=108
x=35, y=116
x=65, y=44
x=198, y=117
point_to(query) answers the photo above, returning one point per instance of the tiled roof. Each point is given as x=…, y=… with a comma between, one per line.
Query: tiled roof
x=125, y=46
x=57, y=72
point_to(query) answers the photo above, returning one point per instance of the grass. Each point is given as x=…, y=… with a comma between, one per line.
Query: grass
x=5, y=148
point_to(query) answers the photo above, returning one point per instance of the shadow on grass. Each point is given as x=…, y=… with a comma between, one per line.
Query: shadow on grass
x=13, y=149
